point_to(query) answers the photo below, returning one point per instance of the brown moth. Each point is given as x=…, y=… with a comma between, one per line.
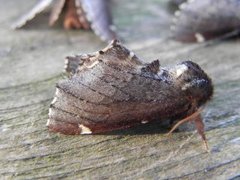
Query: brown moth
x=200, y=20
x=112, y=89
x=78, y=14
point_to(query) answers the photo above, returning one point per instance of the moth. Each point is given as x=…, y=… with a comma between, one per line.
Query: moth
x=200, y=20
x=112, y=89
x=78, y=14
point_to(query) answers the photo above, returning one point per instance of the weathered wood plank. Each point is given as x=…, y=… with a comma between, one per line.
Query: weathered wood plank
x=31, y=62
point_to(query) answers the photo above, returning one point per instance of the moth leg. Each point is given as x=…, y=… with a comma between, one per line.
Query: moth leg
x=71, y=20
x=200, y=128
x=188, y=118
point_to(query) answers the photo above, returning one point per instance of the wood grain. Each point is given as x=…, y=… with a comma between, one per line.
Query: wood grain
x=31, y=62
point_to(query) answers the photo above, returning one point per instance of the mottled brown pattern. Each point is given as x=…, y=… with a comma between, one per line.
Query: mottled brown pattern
x=31, y=64
x=111, y=89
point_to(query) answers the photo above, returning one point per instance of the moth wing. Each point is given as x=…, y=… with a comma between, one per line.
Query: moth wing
x=98, y=14
x=206, y=19
x=95, y=101
x=56, y=11
x=38, y=8
x=109, y=92
x=74, y=63
x=114, y=53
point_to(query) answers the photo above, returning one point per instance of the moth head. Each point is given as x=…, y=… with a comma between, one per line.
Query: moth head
x=194, y=81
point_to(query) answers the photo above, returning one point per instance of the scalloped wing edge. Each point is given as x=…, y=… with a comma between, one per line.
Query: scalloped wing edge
x=73, y=64
x=197, y=36
x=105, y=34
x=38, y=8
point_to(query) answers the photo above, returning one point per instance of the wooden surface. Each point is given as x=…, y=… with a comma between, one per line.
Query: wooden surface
x=31, y=62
